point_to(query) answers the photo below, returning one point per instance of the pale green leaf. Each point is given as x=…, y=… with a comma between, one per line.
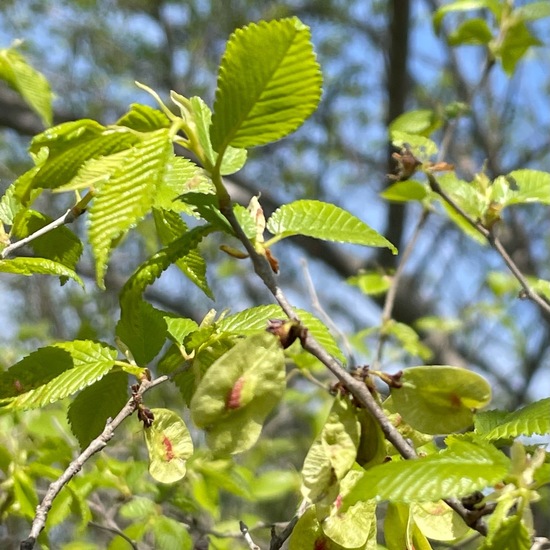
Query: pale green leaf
x=533, y=11
x=422, y=147
x=514, y=45
x=512, y=534
x=332, y=454
x=17, y=196
x=127, y=196
x=472, y=31
x=28, y=82
x=422, y=122
x=233, y=159
x=459, y=470
x=90, y=409
x=400, y=531
x=269, y=83
x=531, y=185
x=237, y=393
x=252, y=320
x=170, y=533
x=531, y=419
x=404, y=191
x=179, y=328
x=143, y=118
x=40, y=266
x=169, y=445
x=323, y=221
x=81, y=363
x=440, y=399
x=371, y=283
x=437, y=521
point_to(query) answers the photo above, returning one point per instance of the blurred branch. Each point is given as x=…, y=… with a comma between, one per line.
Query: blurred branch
x=98, y=444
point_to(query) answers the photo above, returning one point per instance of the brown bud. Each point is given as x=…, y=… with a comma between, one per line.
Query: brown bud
x=287, y=331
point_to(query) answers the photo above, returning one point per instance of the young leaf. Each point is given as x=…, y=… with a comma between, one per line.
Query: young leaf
x=80, y=364
x=332, y=454
x=127, y=196
x=323, y=221
x=439, y=399
x=269, y=83
x=459, y=470
x=404, y=191
x=143, y=118
x=422, y=122
x=28, y=82
x=169, y=445
x=39, y=266
x=90, y=409
x=531, y=419
x=512, y=534
x=252, y=320
x=238, y=392
x=532, y=186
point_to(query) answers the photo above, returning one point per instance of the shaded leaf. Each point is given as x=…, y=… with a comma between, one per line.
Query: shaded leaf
x=90, y=409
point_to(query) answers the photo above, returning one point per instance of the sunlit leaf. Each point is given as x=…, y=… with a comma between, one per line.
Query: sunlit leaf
x=440, y=399
x=40, y=266
x=269, y=83
x=457, y=471
x=422, y=122
x=325, y=221
x=404, y=191
x=169, y=445
x=437, y=521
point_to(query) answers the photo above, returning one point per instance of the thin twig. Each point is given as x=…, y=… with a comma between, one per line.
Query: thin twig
x=356, y=387
x=494, y=241
x=116, y=532
x=76, y=465
x=392, y=291
x=247, y=537
x=69, y=217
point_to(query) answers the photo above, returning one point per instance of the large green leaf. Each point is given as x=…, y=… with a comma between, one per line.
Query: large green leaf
x=439, y=399
x=269, y=83
x=78, y=364
x=459, y=470
x=31, y=84
x=127, y=196
x=169, y=445
x=332, y=454
x=90, y=409
x=531, y=419
x=252, y=320
x=323, y=221
x=238, y=391
x=39, y=266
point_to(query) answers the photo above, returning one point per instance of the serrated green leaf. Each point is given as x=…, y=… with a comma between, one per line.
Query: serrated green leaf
x=439, y=399
x=421, y=122
x=90, y=409
x=169, y=445
x=143, y=118
x=170, y=227
x=181, y=176
x=179, y=328
x=206, y=206
x=269, y=83
x=38, y=266
x=404, y=191
x=127, y=196
x=28, y=82
x=459, y=470
x=17, y=196
x=332, y=454
x=323, y=221
x=531, y=419
x=238, y=392
x=60, y=245
x=71, y=144
x=474, y=31
x=81, y=363
x=233, y=159
x=253, y=320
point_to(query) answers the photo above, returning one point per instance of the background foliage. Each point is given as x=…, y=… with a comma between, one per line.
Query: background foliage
x=473, y=84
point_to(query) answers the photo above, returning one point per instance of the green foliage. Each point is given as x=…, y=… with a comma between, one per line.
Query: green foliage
x=228, y=373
